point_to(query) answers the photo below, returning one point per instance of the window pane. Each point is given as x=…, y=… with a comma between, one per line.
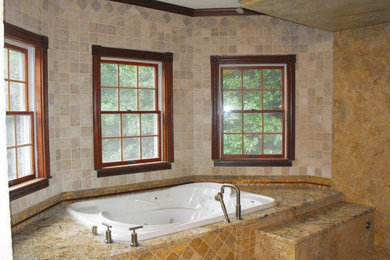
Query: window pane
x=5, y=63
x=24, y=161
x=252, y=122
x=128, y=75
x=252, y=144
x=272, y=100
x=149, y=124
x=111, y=149
x=109, y=74
x=252, y=100
x=130, y=124
x=17, y=65
x=273, y=123
x=18, y=96
x=272, y=144
x=6, y=95
x=232, y=122
x=10, y=122
x=232, y=144
x=232, y=100
x=272, y=78
x=252, y=79
x=146, y=77
x=11, y=159
x=109, y=99
x=128, y=99
x=232, y=79
x=149, y=147
x=110, y=125
x=131, y=149
x=146, y=100
x=23, y=129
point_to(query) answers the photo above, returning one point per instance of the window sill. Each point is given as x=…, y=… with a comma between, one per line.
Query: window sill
x=25, y=188
x=254, y=163
x=145, y=167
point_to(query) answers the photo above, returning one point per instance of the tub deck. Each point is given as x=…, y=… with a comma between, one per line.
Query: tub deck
x=56, y=235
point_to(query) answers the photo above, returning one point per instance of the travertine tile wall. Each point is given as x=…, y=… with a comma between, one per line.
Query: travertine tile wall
x=361, y=125
x=74, y=25
x=251, y=35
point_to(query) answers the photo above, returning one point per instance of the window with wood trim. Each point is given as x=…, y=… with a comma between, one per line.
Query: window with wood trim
x=253, y=110
x=25, y=83
x=133, y=111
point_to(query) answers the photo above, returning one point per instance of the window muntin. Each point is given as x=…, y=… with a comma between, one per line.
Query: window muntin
x=19, y=117
x=253, y=115
x=130, y=114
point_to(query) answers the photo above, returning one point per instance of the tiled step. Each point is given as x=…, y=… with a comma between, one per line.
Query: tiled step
x=339, y=231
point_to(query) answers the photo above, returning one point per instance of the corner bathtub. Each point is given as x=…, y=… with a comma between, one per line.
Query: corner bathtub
x=164, y=211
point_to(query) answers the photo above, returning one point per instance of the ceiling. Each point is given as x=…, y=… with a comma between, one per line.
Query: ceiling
x=329, y=15
x=203, y=4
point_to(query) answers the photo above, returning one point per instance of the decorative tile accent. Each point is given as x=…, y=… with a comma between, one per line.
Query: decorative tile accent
x=166, y=18
x=108, y=7
x=96, y=5
x=82, y=3
x=122, y=9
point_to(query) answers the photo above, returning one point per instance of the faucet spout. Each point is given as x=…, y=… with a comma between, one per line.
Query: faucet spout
x=219, y=197
x=238, y=198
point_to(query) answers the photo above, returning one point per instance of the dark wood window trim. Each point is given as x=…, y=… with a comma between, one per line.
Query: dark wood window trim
x=41, y=44
x=167, y=152
x=177, y=9
x=216, y=62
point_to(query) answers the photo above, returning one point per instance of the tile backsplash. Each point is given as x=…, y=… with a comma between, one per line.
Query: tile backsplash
x=74, y=25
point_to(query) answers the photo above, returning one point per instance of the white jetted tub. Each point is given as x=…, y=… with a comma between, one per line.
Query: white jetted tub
x=164, y=211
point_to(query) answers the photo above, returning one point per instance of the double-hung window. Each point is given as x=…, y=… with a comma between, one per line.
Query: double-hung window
x=253, y=110
x=133, y=113
x=25, y=87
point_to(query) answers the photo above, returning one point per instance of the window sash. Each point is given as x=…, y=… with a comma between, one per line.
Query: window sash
x=17, y=146
x=243, y=111
x=120, y=112
x=121, y=136
x=23, y=111
x=8, y=79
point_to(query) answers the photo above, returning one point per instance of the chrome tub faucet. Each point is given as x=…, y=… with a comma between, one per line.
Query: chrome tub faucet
x=219, y=197
x=238, y=198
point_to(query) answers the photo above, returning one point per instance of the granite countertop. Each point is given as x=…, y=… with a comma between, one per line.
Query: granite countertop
x=55, y=235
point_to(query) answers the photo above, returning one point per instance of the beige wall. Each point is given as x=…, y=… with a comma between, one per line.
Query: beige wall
x=361, y=122
x=265, y=35
x=74, y=25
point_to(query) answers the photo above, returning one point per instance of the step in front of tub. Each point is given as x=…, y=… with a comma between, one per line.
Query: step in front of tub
x=339, y=231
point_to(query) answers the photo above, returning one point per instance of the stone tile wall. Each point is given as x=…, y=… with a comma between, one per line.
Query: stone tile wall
x=250, y=35
x=74, y=25
x=361, y=154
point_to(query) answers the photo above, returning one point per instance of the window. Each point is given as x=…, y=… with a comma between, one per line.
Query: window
x=253, y=110
x=133, y=111
x=25, y=86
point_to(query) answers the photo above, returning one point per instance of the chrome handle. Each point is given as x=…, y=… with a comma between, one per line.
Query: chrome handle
x=134, y=236
x=135, y=227
x=94, y=230
x=108, y=239
x=107, y=225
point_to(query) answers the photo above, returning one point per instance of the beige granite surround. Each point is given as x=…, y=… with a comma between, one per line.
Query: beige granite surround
x=74, y=25
x=361, y=125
